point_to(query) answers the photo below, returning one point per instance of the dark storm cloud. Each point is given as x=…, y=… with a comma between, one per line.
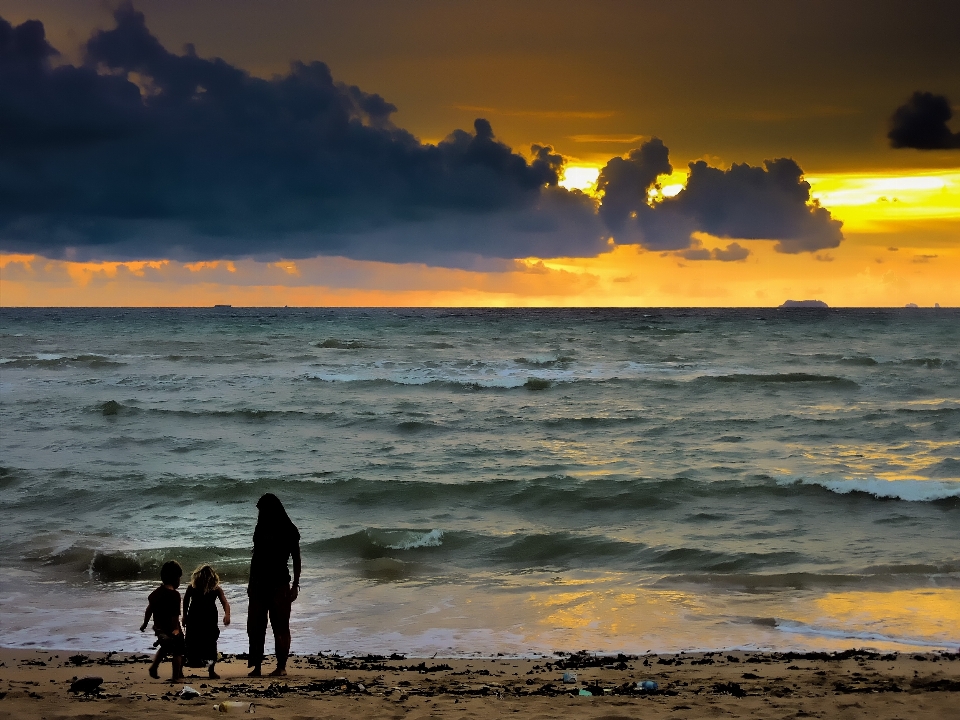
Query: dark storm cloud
x=732, y=253
x=143, y=152
x=625, y=181
x=140, y=152
x=769, y=202
x=921, y=123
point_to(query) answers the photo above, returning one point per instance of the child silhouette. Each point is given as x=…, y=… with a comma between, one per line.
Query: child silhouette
x=164, y=605
x=201, y=619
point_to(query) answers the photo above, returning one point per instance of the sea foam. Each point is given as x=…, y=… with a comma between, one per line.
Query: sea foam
x=909, y=490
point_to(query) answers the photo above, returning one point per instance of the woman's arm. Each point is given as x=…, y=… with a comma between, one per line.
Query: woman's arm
x=295, y=590
x=226, y=605
x=187, y=597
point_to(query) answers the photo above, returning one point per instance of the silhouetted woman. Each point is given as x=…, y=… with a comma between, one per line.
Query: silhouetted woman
x=275, y=540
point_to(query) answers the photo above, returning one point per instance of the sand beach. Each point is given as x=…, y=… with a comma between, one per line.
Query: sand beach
x=35, y=685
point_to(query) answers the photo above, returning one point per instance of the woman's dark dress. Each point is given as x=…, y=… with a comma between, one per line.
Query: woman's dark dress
x=203, y=629
x=269, y=590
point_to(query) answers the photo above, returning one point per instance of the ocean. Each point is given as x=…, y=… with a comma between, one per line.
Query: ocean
x=473, y=482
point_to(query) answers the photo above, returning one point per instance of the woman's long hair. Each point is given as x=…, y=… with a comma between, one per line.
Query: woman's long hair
x=273, y=521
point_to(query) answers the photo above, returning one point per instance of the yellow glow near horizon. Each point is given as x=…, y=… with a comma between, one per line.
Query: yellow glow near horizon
x=864, y=271
x=894, y=252
x=580, y=177
x=869, y=201
x=863, y=201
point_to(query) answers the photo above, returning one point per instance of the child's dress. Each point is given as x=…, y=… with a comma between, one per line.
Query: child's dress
x=202, y=627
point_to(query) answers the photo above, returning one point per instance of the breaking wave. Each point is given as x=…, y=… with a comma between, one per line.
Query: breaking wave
x=83, y=560
x=784, y=378
x=908, y=490
x=53, y=361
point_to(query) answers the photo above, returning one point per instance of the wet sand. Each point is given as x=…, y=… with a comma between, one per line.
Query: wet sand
x=35, y=685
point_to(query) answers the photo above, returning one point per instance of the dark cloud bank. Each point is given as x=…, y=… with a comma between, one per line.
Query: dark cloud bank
x=742, y=202
x=921, y=123
x=140, y=152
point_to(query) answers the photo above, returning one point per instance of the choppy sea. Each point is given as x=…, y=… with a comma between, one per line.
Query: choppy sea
x=482, y=481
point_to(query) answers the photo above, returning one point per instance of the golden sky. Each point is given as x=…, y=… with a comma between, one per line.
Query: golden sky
x=901, y=247
x=726, y=86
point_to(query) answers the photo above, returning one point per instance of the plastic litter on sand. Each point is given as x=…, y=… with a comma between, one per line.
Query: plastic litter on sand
x=234, y=706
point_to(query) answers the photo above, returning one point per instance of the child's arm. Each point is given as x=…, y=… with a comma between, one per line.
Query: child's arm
x=146, y=617
x=177, y=627
x=226, y=605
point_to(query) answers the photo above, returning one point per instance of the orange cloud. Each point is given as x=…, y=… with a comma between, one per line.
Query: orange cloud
x=912, y=262
x=895, y=253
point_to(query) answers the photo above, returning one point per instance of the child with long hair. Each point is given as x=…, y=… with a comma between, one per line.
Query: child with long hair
x=202, y=620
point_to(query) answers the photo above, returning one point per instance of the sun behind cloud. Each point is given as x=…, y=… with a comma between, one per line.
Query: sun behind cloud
x=580, y=177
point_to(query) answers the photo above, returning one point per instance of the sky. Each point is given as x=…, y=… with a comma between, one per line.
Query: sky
x=465, y=153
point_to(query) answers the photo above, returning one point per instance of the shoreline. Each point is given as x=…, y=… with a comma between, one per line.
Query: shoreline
x=35, y=684
x=600, y=614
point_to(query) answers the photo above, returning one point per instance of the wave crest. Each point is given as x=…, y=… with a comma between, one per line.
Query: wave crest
x=51, y=361
x=908, y=490
x=784, y=378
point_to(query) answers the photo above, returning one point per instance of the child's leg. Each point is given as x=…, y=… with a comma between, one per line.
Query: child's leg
x=177, y=661
x=212, y=672
x=157, y=659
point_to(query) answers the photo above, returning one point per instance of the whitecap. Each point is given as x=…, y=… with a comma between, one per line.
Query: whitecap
x=434, y=538
x=909, y=490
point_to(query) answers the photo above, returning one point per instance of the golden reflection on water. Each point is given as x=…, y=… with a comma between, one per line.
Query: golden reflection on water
x=903, y=461
x=596, y=613
x=603, y=606
x=918, y=614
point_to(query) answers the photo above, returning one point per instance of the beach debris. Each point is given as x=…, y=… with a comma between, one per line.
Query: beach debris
x=583, y=659
x=569, y=677
x=729, y=688
x=647, y=686
x=234, y=707
x=88, y=685
x=188, y=693
x=585, y=693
